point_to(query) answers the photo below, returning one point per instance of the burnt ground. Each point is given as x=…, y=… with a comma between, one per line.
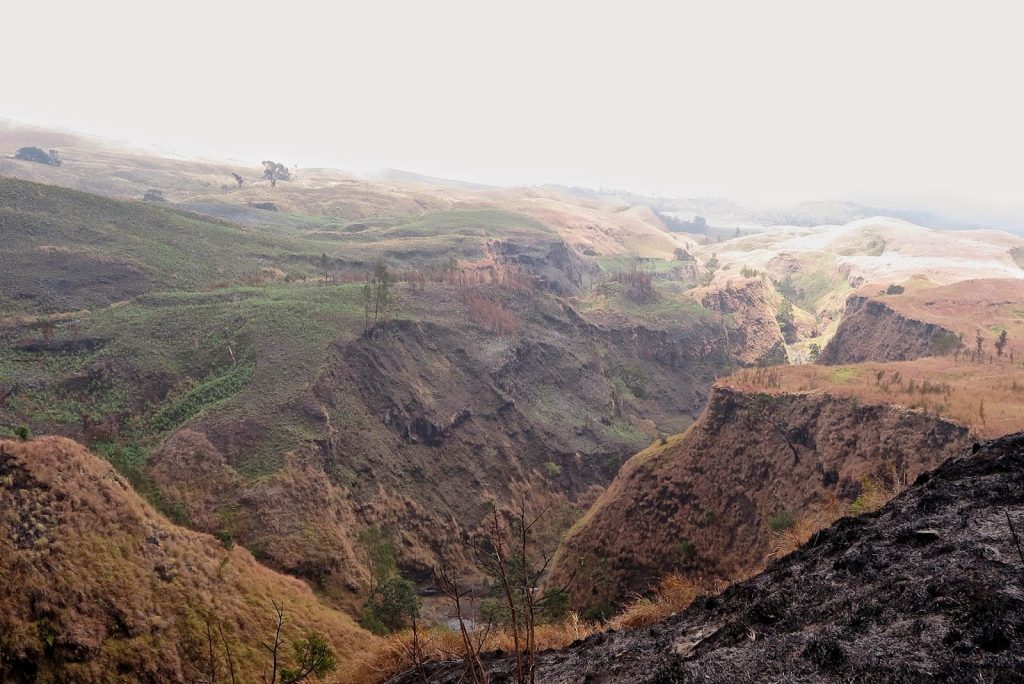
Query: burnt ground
x=929, y=588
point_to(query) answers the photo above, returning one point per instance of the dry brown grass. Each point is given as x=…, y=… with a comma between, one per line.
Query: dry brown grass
x=97, y=577
x=986, y=397
x=394, y=653
x=674, y=593
x=966, y=307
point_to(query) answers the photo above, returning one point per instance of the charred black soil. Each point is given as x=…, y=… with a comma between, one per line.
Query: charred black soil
x=929, y=588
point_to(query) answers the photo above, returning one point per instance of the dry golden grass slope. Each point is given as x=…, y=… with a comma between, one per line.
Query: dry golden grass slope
x=987, y=305
x=207, y=186
x=986, y=397
x=100, y=588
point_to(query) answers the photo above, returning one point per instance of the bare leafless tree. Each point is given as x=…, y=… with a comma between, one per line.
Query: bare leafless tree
x=274, y=646
x=447, y=582
x=508, y=552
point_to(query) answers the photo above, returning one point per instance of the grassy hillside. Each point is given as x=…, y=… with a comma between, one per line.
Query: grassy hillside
x=65, y=250
x=101, y=588
x=220, y=348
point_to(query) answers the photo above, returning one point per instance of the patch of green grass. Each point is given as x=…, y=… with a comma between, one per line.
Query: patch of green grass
x=129, y=459
x=624, y=262
x=781, y=521
x=623, y=430
x=475, y=222
x=210, y=392
x=844, y=374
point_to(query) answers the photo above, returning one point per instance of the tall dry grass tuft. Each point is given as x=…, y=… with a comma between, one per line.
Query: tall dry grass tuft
x=804, y=527
x=394, y=654
x=674, y=593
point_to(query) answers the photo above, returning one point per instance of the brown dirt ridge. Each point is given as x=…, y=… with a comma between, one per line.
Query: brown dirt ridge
x=708, y=501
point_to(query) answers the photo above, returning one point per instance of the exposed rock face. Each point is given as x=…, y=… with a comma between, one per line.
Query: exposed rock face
x=927, y=589
x=415, y=416
x=555, y=265
x=703, y=503
x=754, y=334
x=871, y=331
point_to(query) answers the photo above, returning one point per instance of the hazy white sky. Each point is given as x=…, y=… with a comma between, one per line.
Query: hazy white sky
x=765, y=102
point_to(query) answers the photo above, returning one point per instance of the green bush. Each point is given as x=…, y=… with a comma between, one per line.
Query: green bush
x=782, y=521
x=684, y=551
x=225, y=538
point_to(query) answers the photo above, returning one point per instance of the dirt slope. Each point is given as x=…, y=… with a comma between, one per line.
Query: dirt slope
x=98, y=587
x=872, y=331
x=409, y=420
x=751, y=303
x=704, y=502
x=928, y=320
x=927, y=589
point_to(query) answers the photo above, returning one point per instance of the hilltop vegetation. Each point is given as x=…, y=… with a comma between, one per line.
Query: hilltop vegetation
x=986, y=396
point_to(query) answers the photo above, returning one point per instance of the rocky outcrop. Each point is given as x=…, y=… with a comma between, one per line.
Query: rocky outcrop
x=704, y=502
x=927, y=589
x=411, y=417
x=748, y=319
x=555, y=265
x=872, y=331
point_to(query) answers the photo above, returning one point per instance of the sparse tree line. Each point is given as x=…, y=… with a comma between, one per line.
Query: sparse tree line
x=210, y=657
x=948, y=343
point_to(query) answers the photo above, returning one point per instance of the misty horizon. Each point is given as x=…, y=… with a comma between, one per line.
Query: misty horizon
x=766, y=106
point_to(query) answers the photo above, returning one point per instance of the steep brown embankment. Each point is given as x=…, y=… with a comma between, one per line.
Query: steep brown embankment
x=423, y=423
x=704, y=502
x=98, y=587
x=754, y=335
x=927, y=589
x=872, y=331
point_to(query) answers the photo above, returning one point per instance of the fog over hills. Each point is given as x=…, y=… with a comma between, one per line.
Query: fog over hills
x=455, y=342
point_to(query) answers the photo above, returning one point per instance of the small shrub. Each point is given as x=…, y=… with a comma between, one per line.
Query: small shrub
x=553, y=469
x=684, y=551
x=23, y=433
x=39, y=156
x=781, y=521
x=225, y=538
